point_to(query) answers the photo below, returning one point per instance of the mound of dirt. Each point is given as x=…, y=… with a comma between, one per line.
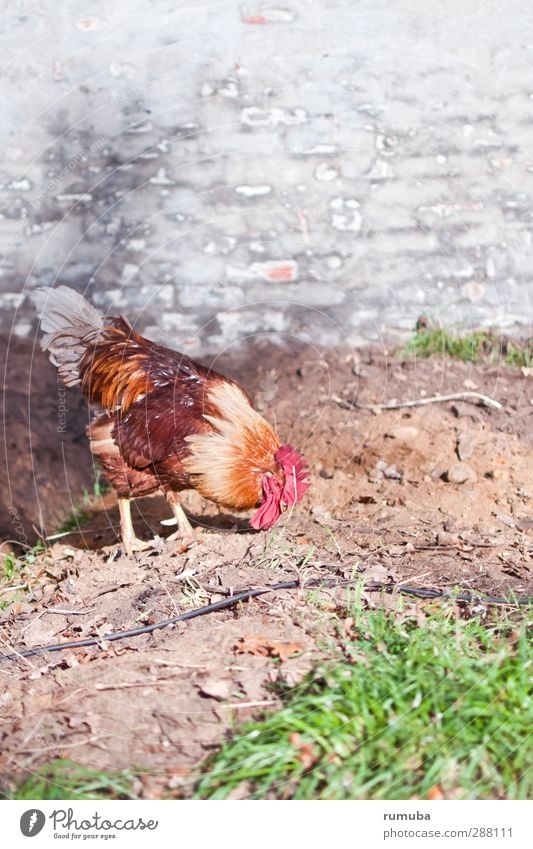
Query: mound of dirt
x=438, y=496
x=47, y=464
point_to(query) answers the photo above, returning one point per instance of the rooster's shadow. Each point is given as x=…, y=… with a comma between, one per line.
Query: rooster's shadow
x=102, y=529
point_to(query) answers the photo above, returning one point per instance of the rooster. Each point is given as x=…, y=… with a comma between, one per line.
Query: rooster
x=168, y=423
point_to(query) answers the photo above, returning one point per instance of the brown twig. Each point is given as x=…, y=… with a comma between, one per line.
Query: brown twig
x=12, y=589
x=68, y=612
x=60, y=746
x=472, y=397
x=125, y=685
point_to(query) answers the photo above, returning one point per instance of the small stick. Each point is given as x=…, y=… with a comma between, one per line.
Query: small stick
x=60, y=746
x=82, y=531
x=179, y=665
x=67, y=612
x=127, y=684
x=472, y=397
x=12, y=589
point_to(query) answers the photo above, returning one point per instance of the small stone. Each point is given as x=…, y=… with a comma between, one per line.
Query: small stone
x=392, y=473
x=216, y=688
x=466, y=444
x=385, y=471
x=460, y=473
x=404, y=433
x=326, y=172
x=442, y=538
x=497, y=474
x=504, y=518
x=320, y=514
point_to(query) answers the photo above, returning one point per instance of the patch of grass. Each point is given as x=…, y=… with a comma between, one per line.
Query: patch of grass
x=436, y=340
x=444, y=703
x=81, y=514
x=473, y=347
x=519, y=355
x=14, y=564
x=63, y=779
x=75, y=520
x=100, y=486
x=12, y=569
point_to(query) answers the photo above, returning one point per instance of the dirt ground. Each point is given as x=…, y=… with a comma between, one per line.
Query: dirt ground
x=436, y=496
x=44, y=447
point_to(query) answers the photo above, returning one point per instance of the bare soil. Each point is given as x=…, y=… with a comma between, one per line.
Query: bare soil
x=44, y=444
x=385, y=502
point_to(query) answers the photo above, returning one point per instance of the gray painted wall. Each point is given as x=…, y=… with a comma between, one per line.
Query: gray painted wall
x=326, y=169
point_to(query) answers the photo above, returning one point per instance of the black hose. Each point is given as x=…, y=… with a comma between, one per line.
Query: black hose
x=224, y=604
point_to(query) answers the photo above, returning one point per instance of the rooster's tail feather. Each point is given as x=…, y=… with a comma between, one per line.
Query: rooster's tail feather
x=71, y=324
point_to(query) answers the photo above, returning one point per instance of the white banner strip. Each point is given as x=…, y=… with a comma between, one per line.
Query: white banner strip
x=251, y=825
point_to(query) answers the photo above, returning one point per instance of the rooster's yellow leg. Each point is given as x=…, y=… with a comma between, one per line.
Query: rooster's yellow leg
x=130, y=541
x=184, y=526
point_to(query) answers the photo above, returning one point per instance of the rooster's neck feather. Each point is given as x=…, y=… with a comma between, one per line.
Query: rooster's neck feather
x=227, y=464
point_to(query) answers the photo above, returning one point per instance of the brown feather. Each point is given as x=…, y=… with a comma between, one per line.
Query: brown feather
x=115, y=371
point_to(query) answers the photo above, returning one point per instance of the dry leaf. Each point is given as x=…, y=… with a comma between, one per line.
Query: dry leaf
x=266, y=647
x=436, y=794
x=306, y=753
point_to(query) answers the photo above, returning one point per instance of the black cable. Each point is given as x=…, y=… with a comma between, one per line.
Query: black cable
x=223, y=604
x=149, y=629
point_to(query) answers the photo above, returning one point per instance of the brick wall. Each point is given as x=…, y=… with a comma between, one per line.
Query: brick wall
x=325, y=169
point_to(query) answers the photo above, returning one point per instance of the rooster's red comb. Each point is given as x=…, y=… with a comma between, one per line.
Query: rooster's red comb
x=295, y=469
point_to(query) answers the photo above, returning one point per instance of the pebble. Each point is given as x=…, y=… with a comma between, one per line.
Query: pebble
x=385, y=471
x=216, y=688
x=460, y=473
x=504, y=518
x=326, y=172
x=404, y=433
x=466, y=444
x=443, y=538
x=497, y=474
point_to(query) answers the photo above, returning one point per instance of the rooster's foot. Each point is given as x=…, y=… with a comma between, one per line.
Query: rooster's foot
x=133, y=545
x=187, y=539
x=129, y=540
x=185, y=529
